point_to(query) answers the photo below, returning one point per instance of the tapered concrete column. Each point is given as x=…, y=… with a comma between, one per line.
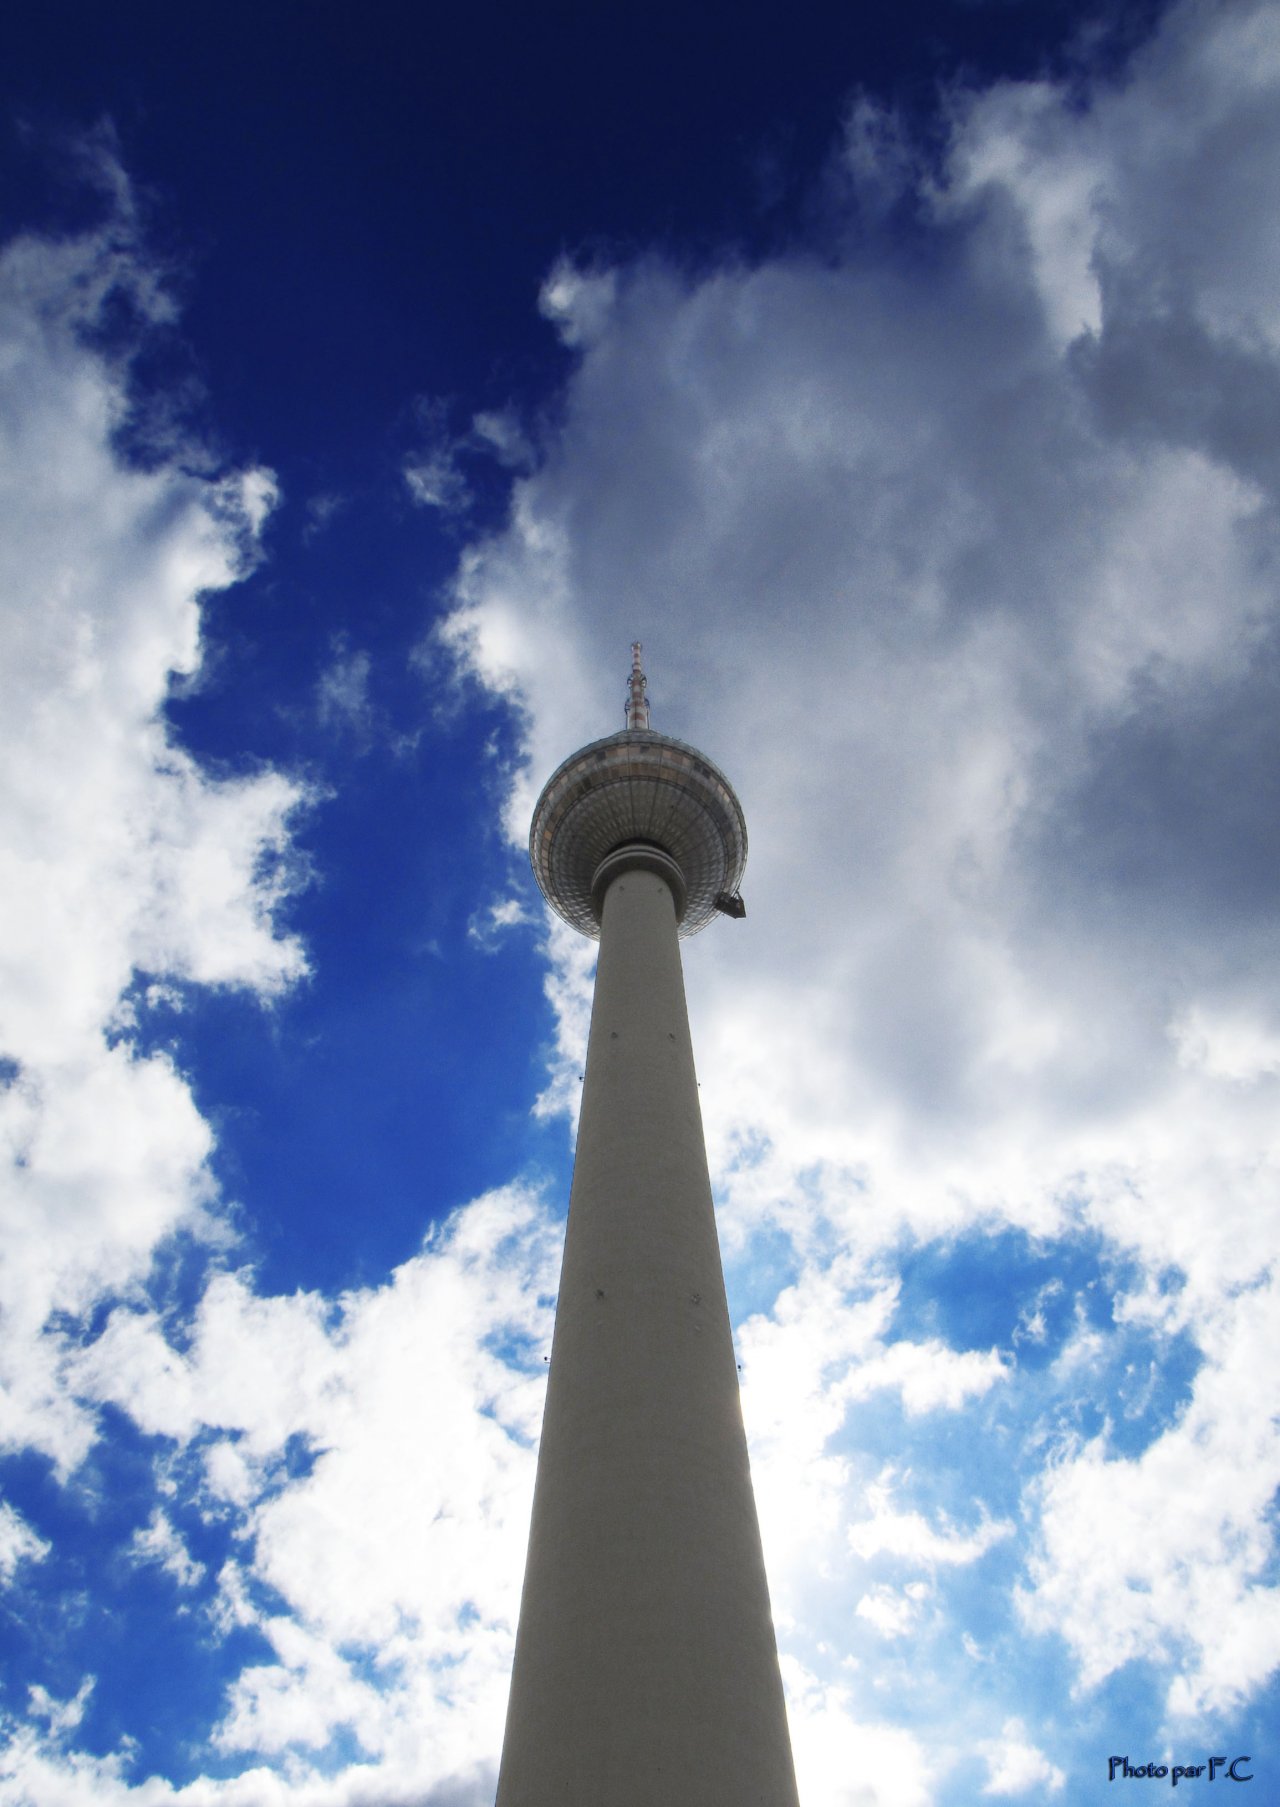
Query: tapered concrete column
x=646, y=1672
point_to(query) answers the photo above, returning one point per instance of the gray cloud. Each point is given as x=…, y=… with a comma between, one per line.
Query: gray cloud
x=960, y=555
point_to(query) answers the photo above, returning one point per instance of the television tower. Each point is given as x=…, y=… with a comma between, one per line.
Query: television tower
x=646, y=1670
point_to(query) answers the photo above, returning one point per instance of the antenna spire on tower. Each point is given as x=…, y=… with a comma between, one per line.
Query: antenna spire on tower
x=637, y=701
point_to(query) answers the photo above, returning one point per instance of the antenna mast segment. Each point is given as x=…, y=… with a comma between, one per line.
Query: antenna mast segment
x=637, y=701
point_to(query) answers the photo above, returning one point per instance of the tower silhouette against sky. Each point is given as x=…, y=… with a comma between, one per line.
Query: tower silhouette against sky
x=646, y=1670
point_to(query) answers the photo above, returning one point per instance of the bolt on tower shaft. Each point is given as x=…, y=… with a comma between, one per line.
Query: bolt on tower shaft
x=646, y=1670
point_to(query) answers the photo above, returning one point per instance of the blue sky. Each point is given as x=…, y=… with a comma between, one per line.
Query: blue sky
x=909, y=387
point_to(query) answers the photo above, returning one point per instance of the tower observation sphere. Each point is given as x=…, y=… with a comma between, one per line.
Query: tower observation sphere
x=646, y=1669
x=638, y=788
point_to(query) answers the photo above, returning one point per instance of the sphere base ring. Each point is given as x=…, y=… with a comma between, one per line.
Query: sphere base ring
x=639, y=856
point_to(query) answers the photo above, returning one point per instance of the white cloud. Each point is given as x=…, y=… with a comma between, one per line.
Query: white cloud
x=18, y=1543
x=928, y=1375
x=432, y=473
x=159, y=1542
x=910, y=1537
x=1015, y=1766
x=842, y=1761
x=893, y=1611
x=321, y=509
x=568, y=987
x=489, y=926
x=1020, y=145
x=501, y=432
x=342, y=689
x=1226, y=1044
x=578, y=302
x=879, y=154
x=61, y=1716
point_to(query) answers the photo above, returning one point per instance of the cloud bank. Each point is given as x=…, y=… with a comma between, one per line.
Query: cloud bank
x=124, y=865
x=954, y=539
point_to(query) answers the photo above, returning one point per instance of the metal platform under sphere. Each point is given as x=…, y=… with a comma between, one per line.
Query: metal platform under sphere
x=645, y=787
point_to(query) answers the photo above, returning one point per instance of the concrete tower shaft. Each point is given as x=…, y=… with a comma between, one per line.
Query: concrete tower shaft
x=646, y=1671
